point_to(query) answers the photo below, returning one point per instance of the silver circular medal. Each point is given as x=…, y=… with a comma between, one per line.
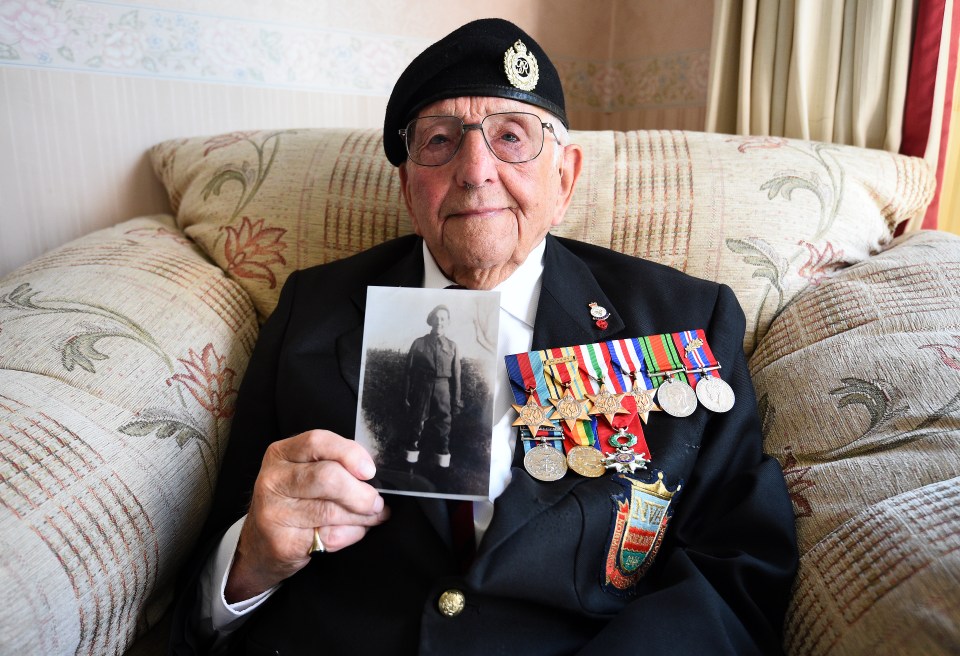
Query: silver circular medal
x=545, y=463
x=676, y=398
x=586, y=461
x=715, y=394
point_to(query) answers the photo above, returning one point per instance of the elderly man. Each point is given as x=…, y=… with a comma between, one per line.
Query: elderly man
x=476, y=125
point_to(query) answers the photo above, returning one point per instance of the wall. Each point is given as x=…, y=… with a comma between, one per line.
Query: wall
x=86, y=87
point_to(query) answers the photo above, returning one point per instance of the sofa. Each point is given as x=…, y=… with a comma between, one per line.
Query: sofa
x=121, y=354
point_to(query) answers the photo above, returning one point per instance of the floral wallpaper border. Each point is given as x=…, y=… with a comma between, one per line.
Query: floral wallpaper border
x=139, y=40
x=117, y=38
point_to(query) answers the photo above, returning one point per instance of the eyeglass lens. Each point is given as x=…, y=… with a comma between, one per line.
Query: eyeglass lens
x=513, y=137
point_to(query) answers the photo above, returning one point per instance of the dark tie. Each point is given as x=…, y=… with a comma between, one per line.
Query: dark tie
x=461, y=529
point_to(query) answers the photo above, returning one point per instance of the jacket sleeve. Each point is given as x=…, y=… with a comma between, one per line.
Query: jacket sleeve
x=721, y=582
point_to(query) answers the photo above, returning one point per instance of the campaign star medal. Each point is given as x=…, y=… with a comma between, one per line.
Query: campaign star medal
x=521, y=67
x=644, y=399
x=532, y=414
x=569, y=409
x=607, y=403
x=624, y=459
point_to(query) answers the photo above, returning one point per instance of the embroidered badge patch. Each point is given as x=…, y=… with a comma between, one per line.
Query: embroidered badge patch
x=641, y=514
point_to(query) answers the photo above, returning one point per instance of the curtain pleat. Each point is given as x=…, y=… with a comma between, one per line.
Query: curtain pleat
x=826, y=71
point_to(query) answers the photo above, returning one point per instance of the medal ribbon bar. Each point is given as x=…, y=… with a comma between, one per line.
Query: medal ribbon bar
x=526, y=372
x=696, y=354
x=582, y=432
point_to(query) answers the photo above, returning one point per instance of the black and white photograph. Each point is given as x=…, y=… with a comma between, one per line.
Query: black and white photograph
x=426, y=389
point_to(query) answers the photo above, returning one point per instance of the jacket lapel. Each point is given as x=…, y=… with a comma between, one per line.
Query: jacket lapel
x=563, y=312
x=563, y=319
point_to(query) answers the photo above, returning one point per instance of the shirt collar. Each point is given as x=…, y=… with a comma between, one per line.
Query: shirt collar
x=519, y=293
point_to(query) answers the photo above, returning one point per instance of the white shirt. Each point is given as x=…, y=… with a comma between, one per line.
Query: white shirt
x=519, y=295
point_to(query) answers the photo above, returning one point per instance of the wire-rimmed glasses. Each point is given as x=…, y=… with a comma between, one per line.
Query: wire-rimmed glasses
x=513, y=137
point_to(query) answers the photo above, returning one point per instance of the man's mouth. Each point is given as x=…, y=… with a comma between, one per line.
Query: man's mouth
x=475, y=212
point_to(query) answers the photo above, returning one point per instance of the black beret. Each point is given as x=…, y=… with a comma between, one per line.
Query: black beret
x=487, y=57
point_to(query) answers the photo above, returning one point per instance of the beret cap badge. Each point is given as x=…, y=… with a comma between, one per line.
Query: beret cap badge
x=521, y=67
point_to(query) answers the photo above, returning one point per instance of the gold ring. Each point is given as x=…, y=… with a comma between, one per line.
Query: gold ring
x=317, y=546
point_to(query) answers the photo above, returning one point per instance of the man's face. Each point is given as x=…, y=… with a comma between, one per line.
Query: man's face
x=480, y=217
x=440, y=320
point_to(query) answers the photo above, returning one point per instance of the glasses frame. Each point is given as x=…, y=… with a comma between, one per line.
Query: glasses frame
x=466, y=127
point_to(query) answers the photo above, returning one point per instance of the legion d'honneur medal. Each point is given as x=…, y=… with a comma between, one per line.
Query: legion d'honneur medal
x=625, y=459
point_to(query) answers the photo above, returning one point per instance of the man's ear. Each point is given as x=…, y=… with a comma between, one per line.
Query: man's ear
x=570, y=166
x=405, y=191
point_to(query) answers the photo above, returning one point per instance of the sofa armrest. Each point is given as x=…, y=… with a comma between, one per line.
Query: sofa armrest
x=859, y=388
x=120, y=354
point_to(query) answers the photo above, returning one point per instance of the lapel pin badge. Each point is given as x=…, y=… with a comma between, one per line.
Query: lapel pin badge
x=599, y=315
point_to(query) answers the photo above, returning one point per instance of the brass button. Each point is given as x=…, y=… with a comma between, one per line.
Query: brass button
x=451, y=603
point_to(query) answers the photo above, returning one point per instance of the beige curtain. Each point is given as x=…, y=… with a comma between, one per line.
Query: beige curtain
x=824, y=70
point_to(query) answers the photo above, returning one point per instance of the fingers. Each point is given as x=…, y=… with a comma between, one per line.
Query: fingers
x=288, y=473
x=330, y=513
x=321, y=445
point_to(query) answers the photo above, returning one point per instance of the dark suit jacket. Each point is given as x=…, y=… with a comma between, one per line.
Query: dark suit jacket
x=719, y=583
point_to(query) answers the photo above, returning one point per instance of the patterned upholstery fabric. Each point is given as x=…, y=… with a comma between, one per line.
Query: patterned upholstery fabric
x=859, y=385
x=120, y=355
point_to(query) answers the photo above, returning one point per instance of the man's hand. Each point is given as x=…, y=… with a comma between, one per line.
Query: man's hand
x=314, y=479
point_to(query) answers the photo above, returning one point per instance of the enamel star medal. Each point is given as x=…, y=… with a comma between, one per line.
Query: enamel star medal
x=625, y=460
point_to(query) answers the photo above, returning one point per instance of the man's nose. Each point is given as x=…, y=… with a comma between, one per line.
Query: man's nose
x=476, y=163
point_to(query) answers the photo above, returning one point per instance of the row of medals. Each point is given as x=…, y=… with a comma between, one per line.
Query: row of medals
x=675, y=397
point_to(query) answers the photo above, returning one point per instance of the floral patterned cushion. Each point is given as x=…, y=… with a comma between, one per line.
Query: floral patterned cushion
x=859, y=388
x=120, y=355
x=767, y=216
